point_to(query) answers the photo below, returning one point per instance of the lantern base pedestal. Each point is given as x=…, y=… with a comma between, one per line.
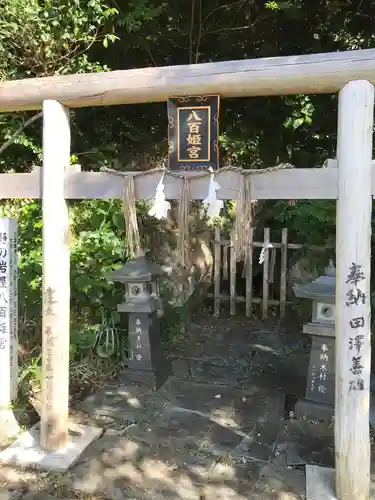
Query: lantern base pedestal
x=153, y=379
x=146, y=352
x=306, y=409
x=27, y=452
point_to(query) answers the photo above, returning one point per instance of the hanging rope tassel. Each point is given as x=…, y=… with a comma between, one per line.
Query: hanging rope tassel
x=132, y=237
x=183, y=223
x=242, y=224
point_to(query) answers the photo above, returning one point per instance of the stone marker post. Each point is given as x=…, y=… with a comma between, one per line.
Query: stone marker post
x=320, y=391
x=8, y=326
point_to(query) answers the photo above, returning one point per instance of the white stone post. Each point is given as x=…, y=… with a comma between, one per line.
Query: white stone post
x=8, y=326
x=353, y=307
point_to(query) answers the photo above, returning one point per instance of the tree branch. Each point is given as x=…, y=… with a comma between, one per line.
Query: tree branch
x=227, y=6
x=234, y=28
x=19, y=131
x=191, y=32
x=199, y=33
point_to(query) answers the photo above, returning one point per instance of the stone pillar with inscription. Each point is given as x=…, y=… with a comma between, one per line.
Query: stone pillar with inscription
x=143, y=305
x=8, y=326
x=320, y=390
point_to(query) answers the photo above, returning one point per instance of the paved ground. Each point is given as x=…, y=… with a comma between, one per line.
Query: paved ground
x=217, y=429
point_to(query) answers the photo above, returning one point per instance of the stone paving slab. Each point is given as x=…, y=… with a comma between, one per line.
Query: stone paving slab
x=232, y=339
x=181, y=368
x=20, y=495
x=228, y=406
x=191, y=432
x=309, y=443
x=39, y=496
x=282, y=484
x=275, y=372
x=139, y=470
x=261, y=406
x=9, y=495
x=145, y=472
x=205, y=370
x=270, y=343
x=125, y=403
x=261, y=445
x=219, y=402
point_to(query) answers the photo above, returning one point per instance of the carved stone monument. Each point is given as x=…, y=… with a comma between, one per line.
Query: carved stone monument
x=144, y=307
x=8, y=327
x=320, y=391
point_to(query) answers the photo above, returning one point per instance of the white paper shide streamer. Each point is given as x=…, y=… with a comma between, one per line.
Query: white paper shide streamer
x=212, y=204
x=262, y=253
x=160, y=206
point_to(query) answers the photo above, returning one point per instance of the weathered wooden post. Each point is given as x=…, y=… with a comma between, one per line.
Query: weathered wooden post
x=49, y=445
x=56, y=278
x=353, y=256
x=8, y=327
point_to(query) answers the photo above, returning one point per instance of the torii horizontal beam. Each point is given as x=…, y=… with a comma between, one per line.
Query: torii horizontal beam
x=299, y=183
x=308, y=74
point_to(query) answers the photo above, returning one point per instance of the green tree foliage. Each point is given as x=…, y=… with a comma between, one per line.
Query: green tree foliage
x=44, y=38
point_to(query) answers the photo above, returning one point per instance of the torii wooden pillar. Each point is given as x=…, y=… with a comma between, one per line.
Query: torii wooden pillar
x=353, y=299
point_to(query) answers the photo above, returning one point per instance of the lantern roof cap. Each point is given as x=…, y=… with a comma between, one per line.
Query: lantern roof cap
x=138, y=270
x=321, y=288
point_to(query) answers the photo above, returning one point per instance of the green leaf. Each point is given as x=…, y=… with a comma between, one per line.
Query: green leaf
x=298, y=122
x=118, y=220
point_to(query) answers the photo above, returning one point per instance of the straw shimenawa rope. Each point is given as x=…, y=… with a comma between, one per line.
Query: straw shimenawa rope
x=133, y=239
x=242, y=225
x=243, y=221
x=183, y=224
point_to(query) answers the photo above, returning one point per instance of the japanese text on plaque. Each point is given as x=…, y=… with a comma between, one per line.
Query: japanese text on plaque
x=193, y=140
x=356, y=297
x=323, y=368
x=4, y=291
x=8, y=310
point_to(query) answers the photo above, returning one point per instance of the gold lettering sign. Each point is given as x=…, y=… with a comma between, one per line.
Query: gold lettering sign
x=193, y=132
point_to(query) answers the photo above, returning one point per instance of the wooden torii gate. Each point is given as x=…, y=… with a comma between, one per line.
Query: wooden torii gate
x=351, y=182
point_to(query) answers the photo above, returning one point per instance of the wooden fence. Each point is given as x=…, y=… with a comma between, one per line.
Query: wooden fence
x=225, y=267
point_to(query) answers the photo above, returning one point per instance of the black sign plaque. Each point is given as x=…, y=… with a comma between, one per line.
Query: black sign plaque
x=321, y=371
x=193, y=132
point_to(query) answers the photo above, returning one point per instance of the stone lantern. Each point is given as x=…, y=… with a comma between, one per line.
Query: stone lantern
x=144, y=307
x=320, y=391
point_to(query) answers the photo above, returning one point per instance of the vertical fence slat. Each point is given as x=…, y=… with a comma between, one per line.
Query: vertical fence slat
x=217, y=272
x=271, y=276
x=233, y=269
x=283, y=271
x=225, y=262
x=249, y=277
x=266, y=241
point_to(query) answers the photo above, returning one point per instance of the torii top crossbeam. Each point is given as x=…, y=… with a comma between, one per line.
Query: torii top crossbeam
x=309, y=74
